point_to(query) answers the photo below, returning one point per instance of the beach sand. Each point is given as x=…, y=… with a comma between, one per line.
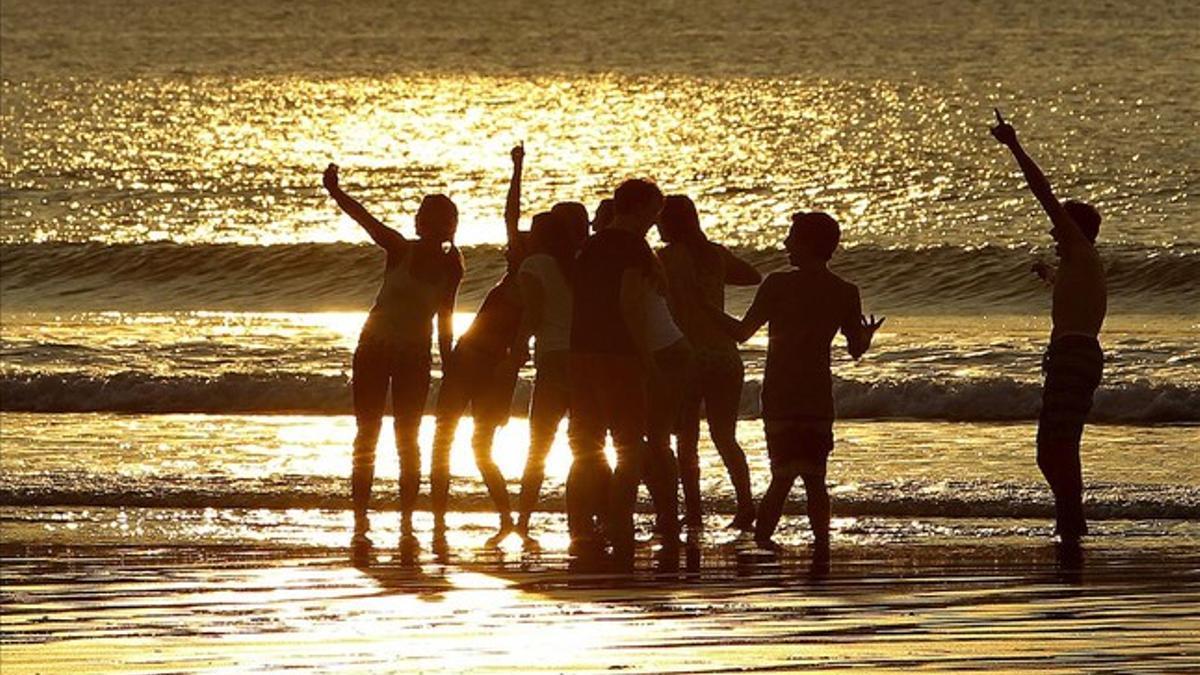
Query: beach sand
x=1010, y=604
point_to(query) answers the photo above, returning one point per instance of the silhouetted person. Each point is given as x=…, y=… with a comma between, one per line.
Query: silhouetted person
x=1074, y=361
x=669, y=378
x=609, y=360
x=697, y=272
x=604, y=215
x=478, y=375
x=546, y=280
x=420, y=280
x=804, y=308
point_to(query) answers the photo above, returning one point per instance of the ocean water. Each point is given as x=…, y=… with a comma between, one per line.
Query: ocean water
x=179, y=300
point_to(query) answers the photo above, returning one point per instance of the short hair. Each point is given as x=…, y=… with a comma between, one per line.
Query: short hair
x=437, y=218
x=817, y=232
x=636, y=194
x=679, y=220
x=1085, y=216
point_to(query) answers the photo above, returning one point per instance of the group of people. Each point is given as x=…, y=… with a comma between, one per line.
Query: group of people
x=636, y=343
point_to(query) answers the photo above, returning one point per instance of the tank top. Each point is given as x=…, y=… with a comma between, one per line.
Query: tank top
x=404, y=307
x=661, y=330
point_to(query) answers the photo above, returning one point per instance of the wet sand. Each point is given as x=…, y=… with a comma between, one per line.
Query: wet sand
x=1014, y=606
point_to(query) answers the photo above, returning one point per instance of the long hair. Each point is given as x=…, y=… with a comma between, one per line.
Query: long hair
x=679, y=223
x=548, y=234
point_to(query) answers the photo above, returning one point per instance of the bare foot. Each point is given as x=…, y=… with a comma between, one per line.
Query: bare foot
x=501, y=534
x=743, y=521
x=768, y=545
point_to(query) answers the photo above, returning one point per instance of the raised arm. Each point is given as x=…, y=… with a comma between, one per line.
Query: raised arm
x=1065, y=226
x=381, y=234
x=512, y=204
x=738, y=272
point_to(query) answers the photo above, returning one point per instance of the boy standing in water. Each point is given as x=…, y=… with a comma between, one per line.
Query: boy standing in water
x=1074, y=361
x=805, y=308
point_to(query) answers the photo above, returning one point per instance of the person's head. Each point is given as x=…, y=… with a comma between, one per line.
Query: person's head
x=1085, y=216
x=679, y=222
x=637, y=203
x=574, y=217
x=557, y=237
x=604, y=215
x=813, y=237
x=437, y=218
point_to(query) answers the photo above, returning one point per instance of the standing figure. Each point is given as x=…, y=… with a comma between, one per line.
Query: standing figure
x=1074, y=361
x=698, y=271
x=478, y=375
x=805, y=308
x=420, y=280
x=546, y=279
x=610, y=358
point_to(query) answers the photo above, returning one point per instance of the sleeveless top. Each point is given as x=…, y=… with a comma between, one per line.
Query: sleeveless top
x=402, y=315
x=661, y=331
x=553, y=332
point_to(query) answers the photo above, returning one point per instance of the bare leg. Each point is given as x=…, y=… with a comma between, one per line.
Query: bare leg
x=550, y=402
x=817, y=498
x=369, y=386
x=410, y=470
x=452, y=403
x=688, y=442
x=770, y=509
x=722, y=400
x=1059, y=461
x=497, y=487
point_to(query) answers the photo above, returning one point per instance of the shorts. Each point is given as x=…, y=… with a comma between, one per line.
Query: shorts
x=1073, y=365
x=476, y=380
x=801, y=444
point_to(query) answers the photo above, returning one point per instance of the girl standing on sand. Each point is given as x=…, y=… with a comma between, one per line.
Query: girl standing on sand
x=697, y=272
x=481, y=378
x=420, y=280
x=546, y=279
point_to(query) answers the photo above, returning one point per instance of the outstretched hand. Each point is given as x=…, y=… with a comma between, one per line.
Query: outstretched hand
x=330, y=179
x=1003, y=131
x=1045, y=272
x=871, y=325
x=518, y=153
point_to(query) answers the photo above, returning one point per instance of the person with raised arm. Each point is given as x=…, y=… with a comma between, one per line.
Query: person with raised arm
x=480, y=376
x=1074, y=361
x=547, y=294
x=420, y=280
x=804, y=309
x=697, y=272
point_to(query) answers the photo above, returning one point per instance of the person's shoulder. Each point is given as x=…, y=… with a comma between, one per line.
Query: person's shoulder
x=842, y=284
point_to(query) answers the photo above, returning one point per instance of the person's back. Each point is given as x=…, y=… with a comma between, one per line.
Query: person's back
x=806, y=309
x=698, y=268
x=409, y=297
x=597, y=325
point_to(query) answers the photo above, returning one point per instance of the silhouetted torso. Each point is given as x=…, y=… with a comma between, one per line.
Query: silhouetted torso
x=705, y=277
x=498, y=319
x=805, y=309
x=406, y=303
x=1080, y=294
x=597, y=326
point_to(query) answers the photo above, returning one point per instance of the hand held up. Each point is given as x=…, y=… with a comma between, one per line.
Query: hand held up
x=1003, y=131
